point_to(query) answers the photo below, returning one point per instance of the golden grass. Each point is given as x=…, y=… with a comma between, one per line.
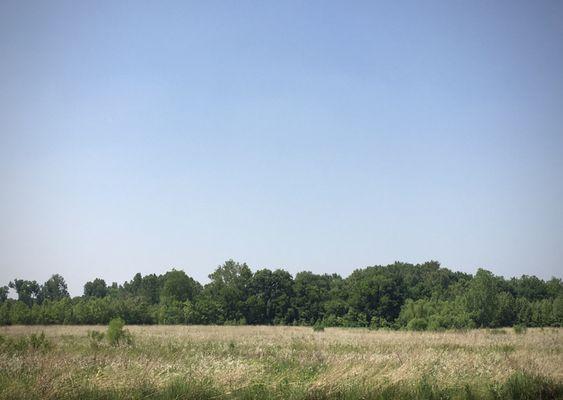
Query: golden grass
x=235, y=357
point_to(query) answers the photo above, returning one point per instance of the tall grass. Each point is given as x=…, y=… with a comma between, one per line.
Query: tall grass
x=195, y=362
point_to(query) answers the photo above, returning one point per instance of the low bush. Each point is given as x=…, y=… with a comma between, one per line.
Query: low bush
x=497, y=332
x=39, y=342
x=520, y=329
x=417, y=324
x=95, y=338
x=117, y=335
x=318, y=327
x=33, y=342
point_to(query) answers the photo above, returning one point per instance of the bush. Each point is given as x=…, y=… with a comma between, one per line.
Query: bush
x=379, y=323
x=496, y=331
x=529, y=387
x=22, y=344
x=520, y=329
x=417, y=324
x=117, y=335
x=318, y=327
x=95, y=338
x=39, y=342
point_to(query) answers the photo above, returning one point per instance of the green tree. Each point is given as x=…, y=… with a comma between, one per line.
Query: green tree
x=530, y=287
x=4, y=291
x=269, y=299
x=96, y=288
x=481, y=298
x=205, y=310
x=150, y=289
x=558, y=310
x=178, y=287
x=311, y=291
x=376, y=292
x=55, y=288
x=229, y=286
x=27, y=291
x=523, y=311
x=505, y=314
x=20, y=313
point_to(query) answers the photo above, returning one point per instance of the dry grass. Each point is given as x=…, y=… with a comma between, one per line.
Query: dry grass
x=282, y=360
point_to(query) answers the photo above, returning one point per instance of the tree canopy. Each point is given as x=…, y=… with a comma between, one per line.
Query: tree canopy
x=399, y=295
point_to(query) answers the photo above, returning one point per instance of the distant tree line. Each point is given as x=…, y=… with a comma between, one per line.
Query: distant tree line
x=417, y=297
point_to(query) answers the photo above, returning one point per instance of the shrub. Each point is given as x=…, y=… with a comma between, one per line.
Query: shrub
x=95, y=338
x=496, y=331
x=318, y=327
x=529, y=387
x=117, y=335
x=39, y=342
x=34, y=342
x=379, y=323
x=520, y=329
x=417, y=324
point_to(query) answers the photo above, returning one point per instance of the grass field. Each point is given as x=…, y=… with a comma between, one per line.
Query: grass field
x=205, y=362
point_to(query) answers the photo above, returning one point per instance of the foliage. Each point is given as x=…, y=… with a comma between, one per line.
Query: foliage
x=39, y=342
x=54, y=289
x=95, y=338
x=4, y=290
x=417, y=324
x=117, y=335
x=179, y=287
x=318, y=327
x=520, y=329
x=33, y=342
x=396, y=296
x=96, y=288
x=28, y=291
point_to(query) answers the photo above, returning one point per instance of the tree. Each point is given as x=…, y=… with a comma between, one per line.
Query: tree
x=20, y=313
x=4, y=290
x=55, y=288
x=558, y=310
x=205, y=310
x=530, y=287
x=269, y=299
x=376, y=292
x=179, y=287
x=96, y=288
x=505, y=314
x=27, y=291
x=523, y=311
x=554, y=287
x=398, y=295
x=229, y=286
x=135, y=284
x=481, y=298
x=311, y=291
x=150, y=289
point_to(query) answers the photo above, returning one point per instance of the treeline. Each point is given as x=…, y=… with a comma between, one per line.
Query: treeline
x=418, y=297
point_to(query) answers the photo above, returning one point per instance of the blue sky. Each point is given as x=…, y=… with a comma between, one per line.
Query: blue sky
x=323, y=136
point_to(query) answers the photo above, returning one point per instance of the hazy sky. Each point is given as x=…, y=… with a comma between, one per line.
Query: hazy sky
x=324, y=136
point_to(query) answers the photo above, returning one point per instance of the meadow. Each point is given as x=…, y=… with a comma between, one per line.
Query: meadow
x=279, y=362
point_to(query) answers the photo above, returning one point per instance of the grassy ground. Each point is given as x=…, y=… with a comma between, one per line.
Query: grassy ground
x=204, y=362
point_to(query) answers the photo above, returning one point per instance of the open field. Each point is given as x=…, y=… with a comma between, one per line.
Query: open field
x=281, y=362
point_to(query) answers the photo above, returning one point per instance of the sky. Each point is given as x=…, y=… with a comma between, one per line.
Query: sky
x=323, y=136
